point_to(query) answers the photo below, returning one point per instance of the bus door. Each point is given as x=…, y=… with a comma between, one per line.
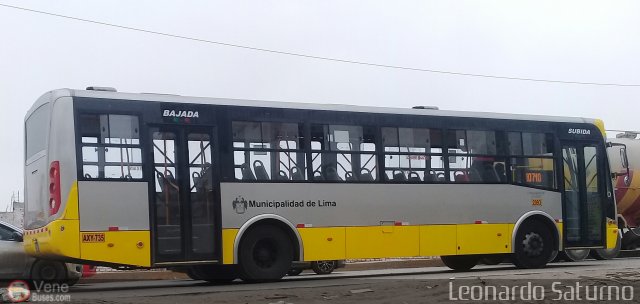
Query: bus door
x=184, y=194
x=584, y=196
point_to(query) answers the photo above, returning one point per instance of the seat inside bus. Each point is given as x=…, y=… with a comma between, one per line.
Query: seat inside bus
x=296, y=174
x=366, y=175
x=399, y=176
x=260, y=171
x=331, y=174
x=247, y=174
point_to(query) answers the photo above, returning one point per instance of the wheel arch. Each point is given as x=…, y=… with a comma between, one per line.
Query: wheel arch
x=542, y=217
x=275, y=220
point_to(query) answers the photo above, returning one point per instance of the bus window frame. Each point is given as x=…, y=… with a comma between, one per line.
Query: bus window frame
x=142, y=128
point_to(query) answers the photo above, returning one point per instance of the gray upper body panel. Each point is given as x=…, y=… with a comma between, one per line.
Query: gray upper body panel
x=291, y=105
x=327, y=205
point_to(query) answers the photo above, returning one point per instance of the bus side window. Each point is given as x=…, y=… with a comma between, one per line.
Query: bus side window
x=343, y=153
x=110, y=146
x=532, y=160
x=413, y=154
x=474, y=157
x=268, y=151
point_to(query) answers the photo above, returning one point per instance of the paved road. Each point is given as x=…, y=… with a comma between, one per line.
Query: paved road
x=111, y=291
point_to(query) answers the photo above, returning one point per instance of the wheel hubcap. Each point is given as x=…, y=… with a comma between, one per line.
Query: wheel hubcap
x=325, y=266
x=265, y=254
x=48, y=273
x=533, y=244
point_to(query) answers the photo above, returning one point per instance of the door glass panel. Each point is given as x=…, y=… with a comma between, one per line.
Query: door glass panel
x=167, y=194
x=593, y=197
x=201, y=193
x=572, y=194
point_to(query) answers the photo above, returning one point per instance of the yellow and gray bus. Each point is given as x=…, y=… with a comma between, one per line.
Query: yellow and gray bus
x=226, y=188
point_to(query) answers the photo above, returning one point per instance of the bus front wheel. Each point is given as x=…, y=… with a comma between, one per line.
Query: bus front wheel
x=607, y=254
x=460, y=262
x=265, y=254
x=533, y=247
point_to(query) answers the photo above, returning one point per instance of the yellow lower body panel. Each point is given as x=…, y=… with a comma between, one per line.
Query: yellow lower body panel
x=228, y=242
x=438, y=240
x=323, y=243
x=58, y=239
x=483, y=238
x=382, y=241
x=117, y=247
x=612, y=235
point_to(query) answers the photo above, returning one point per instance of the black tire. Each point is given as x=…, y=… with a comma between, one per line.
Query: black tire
x=533, y=247
x=216, y=274
x=323, y=267
x=574, y=255
x=265, y=254
x=72, y=282
x=492, y=259
x=294, y=272
x=460, y=262
x=49, y=271
x=194, y=274
x=607, y=254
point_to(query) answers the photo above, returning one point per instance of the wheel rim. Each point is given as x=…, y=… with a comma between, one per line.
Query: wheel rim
x=577, y=254
x=533, y=244
x=48, y=273
x=325, y=266
x=265, y=253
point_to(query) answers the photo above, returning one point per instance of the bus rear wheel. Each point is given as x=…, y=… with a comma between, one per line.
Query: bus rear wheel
x=533, y=247
x=265, y=254
x=460, y=262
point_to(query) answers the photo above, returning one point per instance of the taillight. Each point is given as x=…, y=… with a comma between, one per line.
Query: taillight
x=54, y=187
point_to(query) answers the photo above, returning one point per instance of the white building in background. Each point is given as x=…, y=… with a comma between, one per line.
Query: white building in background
x=15, y=216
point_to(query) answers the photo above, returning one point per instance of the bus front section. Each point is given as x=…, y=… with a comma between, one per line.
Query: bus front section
x=588, y=204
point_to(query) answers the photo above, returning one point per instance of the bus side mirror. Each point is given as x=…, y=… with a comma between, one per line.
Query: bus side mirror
x=624, y=161
x=624, y=158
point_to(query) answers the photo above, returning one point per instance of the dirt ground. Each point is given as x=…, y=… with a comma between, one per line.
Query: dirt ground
x=581, y=290
x=352, y=266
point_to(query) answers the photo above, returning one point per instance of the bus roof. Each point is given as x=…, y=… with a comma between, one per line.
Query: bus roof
x=55, y=94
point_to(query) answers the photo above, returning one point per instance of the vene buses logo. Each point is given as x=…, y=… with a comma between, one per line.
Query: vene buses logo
x=93, y=237
x=17, y=292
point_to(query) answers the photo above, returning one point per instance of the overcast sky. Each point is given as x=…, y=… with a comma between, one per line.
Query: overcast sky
x=565, y=40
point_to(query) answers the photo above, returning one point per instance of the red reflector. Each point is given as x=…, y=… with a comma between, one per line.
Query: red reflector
x=300, y=226
x=114, y=228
